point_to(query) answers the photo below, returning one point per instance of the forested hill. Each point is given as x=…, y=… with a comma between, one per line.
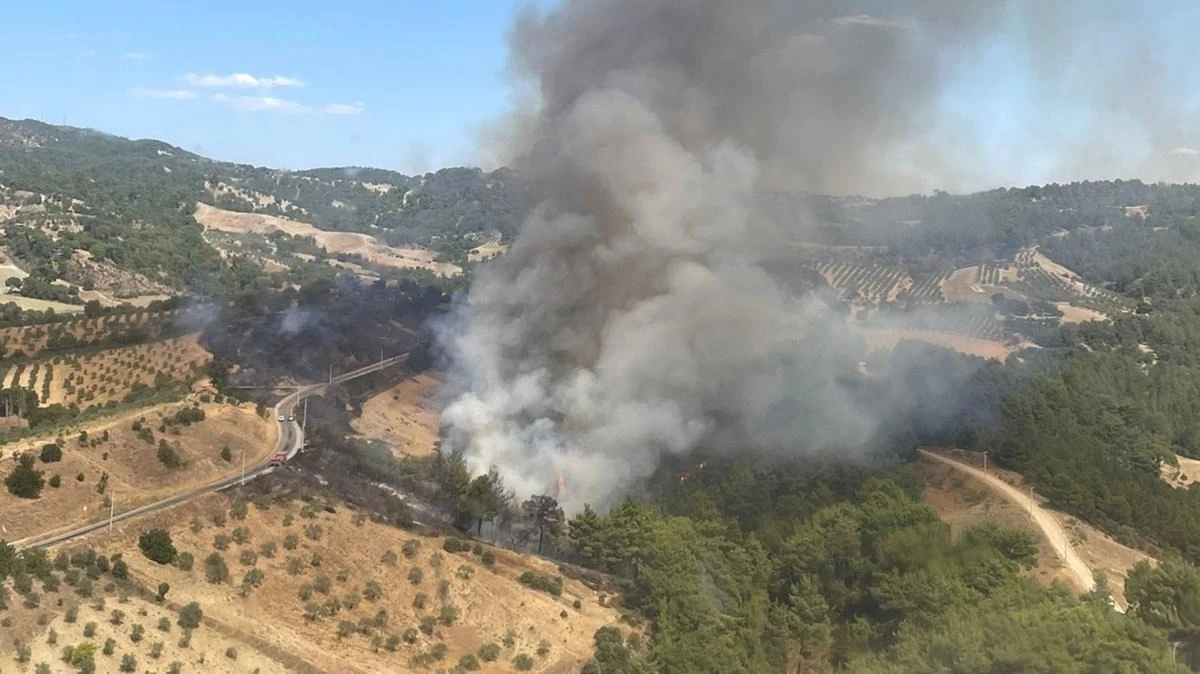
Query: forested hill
x=151, y=181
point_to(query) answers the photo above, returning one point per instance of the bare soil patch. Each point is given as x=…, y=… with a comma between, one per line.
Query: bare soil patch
x=1184, y=476
x=404, y=416
x=335, y=242
x=986, y=348
x=1074, y=314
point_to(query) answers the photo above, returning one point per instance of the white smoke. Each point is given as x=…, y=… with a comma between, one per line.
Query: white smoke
x=631, y=318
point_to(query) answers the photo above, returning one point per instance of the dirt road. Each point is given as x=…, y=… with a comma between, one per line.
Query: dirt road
x=1051, y=529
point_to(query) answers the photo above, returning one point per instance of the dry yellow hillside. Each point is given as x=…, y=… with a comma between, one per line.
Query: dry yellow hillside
x=393, y=596
x=404, y=416
x=130, y=459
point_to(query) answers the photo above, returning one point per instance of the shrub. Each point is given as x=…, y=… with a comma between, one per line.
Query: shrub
x=410, y=635
x=267, y=549
x=489, y=652
x=469, y=662
x=164, y=625
x=24, y=481
x=79, y=477
x=543, y=648
x=156, y=650
x=184, y=561
x=373, y=591
x=392, y=643
x=322, y=584
x=190, y=616
x=448, y=615
x=427, y=624
x=128, y=663
x=410, y=548
x=110, y=645
x=167, y=455
x=55, y=481
x=136, y=633
x=577, y=604
x=416, y=575
x=241, y=535
x=51, y=453
x=523, y=663
x=89, y=630
x=465, y=572
x=185, y=639
x=231, y=653
x=116, y=617
x=239, y=509
x=488, y=558
x=290, y=542
x=156, y=545
x=163, y=589
x=455, y=545
x=419, y=601
x=549, y=584
x=248, y=557
x=215, y=570
x=226, y=454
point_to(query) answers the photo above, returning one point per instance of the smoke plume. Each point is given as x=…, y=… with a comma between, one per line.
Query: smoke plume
x=631, y=317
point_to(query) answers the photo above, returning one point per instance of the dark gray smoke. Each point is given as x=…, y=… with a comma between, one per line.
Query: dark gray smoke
x=631, y=317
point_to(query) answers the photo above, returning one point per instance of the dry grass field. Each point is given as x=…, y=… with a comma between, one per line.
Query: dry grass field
x=404, y=416
x=310, y=590
x=126, y=460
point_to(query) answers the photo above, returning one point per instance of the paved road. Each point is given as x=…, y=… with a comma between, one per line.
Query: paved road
x=1050, y=527
x=291, y=440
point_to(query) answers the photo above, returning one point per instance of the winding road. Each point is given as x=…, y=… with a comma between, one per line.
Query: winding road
x=291, y=440
x=1051, y=529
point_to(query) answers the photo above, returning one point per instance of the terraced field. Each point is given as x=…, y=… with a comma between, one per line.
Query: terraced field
x=108, y=375
x=872, y=283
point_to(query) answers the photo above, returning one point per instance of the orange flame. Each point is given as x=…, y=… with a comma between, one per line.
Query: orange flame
x=562, y=486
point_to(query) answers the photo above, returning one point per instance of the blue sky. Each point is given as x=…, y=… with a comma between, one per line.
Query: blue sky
x=399, y=84
x=408, y=85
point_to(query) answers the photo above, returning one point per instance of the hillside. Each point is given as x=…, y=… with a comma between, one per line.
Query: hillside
x=129, y=205
x=335, y=592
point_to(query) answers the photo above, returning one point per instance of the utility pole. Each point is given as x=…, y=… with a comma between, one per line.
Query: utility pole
x=381, y=355
x=331, y=373
x=1031, y=500
x=243, y=466
x=112, y=508
x=304, y=421
x=985, y=460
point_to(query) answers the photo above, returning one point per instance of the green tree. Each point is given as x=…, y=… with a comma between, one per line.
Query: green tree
x=156, y=545
x=545, y=515
x=24, y=481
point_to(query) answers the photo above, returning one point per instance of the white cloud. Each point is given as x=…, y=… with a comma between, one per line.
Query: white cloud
x=261, y=103
x=241, y=81
x=868, y=20
x=343, y=108
x=274, y=104
x=137, y=56
x=1185, y=152
x=176, y=94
